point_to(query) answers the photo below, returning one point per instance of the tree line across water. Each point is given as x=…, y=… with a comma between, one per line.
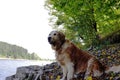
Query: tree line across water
x=16, y=52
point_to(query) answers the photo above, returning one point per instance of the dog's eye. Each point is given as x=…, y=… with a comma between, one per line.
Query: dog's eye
x=54, y=34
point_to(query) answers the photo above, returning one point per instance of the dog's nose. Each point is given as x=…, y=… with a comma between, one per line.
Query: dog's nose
x=49, y=39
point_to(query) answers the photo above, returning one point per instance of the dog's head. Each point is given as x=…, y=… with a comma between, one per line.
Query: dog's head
x=56, y=39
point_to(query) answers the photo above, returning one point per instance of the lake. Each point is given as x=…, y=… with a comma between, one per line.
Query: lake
x=8, y=67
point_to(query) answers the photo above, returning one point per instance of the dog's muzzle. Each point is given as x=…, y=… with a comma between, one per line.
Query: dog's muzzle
x=49, y=39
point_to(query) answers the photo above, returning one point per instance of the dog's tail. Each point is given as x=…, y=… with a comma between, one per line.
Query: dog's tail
x=114, y=69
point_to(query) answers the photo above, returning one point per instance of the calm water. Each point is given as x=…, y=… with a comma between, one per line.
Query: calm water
x=8, y=67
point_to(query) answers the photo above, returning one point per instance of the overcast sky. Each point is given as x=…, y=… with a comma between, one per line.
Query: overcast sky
x=25, y=23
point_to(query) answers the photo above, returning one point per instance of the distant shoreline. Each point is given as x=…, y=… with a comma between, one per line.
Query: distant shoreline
x=26, y=59
x=11, y=59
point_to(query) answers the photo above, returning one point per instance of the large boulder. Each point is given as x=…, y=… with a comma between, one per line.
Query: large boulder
x=27, y=72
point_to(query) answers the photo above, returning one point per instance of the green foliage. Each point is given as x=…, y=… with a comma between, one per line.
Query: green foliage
x=16, y=52
x=87, y=20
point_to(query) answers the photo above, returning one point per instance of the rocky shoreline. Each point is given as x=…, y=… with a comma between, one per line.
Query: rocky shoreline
x=108, y=55
x=47, y=72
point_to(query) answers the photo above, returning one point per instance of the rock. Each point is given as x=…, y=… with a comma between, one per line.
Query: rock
x=27, y=72
x=10, y=77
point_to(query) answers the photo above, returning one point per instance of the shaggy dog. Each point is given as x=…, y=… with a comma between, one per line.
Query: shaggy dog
x=74, y=60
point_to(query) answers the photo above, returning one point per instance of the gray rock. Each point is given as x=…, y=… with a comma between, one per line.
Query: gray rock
x=27, y=73
x=10, y=77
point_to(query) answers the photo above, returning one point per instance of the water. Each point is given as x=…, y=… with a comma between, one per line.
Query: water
x=8, y=67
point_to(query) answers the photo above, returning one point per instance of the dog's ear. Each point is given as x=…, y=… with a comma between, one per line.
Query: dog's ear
x=62, y=36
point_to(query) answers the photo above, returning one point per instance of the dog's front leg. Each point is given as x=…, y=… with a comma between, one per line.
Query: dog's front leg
x=70, y=73
x=64, y=68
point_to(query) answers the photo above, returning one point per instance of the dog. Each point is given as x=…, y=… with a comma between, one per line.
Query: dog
x=74, y=60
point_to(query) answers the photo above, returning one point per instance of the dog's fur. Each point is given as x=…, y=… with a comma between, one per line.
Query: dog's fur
x=73, y=60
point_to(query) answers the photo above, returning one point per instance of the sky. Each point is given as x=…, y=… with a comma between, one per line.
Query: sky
x=25, y=23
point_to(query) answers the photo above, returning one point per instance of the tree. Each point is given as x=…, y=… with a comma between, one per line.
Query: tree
x=16, y=52
x=85, y=20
